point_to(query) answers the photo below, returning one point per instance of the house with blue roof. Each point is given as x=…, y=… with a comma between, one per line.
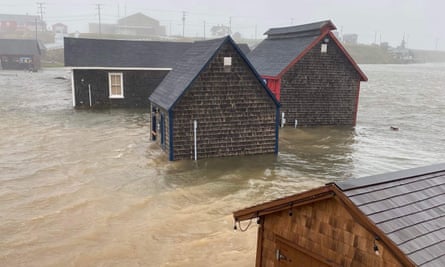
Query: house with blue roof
x=311, y=73
x=214, y=104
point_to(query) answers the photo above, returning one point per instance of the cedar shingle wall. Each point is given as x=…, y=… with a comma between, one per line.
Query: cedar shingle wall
x=321, y=89
x=328, y=230
x=235, y=115
x=138, y=86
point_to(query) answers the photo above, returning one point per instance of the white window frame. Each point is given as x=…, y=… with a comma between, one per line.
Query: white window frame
x=227, y=64
x=121, y=95
x=324, y=48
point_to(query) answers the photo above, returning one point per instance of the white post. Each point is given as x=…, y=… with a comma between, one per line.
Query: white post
x=72, y=88
x=195, y=126
x=89, y=93
x=283, y=120
x=296, y=123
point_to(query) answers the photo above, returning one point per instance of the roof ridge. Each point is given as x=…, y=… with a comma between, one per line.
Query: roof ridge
x=389, y=177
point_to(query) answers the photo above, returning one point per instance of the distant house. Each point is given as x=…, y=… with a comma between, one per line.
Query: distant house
x=140, y=24
x=136, y=24
x=311, y=73
x=10, y=23
x=351, y=38
x=214, y=104
x=60, y=30
x=20, y=54
x=118, y=73
x=393, y=219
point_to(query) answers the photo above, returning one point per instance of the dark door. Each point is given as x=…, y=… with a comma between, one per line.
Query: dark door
x=288, y=256
x=162, y=130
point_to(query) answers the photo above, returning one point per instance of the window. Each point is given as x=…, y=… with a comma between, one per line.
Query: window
x=116, y=85
x=324, y=48
x=227, y=64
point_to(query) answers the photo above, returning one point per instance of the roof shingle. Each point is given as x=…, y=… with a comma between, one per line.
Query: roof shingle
x=409, y=207
x=81, y=52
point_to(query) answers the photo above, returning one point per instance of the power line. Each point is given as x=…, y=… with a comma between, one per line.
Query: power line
x=41, y=11
x=183, y=23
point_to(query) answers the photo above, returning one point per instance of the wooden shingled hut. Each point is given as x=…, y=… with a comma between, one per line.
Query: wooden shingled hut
x=393, y=219
x=313, y=76
x=118, y=73
x=214, y=104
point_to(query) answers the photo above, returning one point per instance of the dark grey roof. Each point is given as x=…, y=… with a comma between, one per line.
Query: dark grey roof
x=184, y=72
x=272, y=56
x=245, y=48
x=80, y=52
x=315, y=27
x=409, y=207
x=19, y=47
x=188, y=68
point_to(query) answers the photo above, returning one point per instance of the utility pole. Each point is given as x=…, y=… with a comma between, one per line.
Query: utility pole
x=183, y=24
x=204, y=29
x=41, y=11
x=230, y=25
x=98, y=12
x=256, y=30
x=36, y=30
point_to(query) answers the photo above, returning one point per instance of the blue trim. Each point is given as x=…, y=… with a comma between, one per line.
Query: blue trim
x=277, y=126
x=170, y=132
x=162, y=122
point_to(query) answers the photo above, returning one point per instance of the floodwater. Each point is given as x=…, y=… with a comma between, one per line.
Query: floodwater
x=88, y=188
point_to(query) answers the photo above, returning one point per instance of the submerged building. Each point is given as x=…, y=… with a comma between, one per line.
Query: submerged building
x=311, y=73
x=214, y=104
x=118, y=73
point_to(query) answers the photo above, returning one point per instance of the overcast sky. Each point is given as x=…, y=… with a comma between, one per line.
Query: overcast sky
x=422, y=21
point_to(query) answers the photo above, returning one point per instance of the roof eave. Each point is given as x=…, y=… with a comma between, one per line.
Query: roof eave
x=362, y=75
x=322, y=193
x=273, y=206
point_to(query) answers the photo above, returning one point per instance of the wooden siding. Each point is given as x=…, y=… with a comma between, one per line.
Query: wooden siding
x=138, y=86
x=326, y=229
x=321, y=89
x=235, y=114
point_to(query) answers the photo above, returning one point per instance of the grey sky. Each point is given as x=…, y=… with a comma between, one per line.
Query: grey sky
x=421, y=20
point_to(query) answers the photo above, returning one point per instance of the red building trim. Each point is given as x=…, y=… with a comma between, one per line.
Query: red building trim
x=274, y=85
x=314, y=43
x=301, y=55
x=342, y=48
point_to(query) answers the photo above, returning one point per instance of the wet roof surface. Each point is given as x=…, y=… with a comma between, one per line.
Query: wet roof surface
x=409, y=207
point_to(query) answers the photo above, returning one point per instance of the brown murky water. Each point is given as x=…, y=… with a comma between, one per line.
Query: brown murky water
x=87, y=188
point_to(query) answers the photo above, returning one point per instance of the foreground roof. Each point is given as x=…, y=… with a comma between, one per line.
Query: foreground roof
x=82, y=52
x=406, y=207
x=19, y=47
x=188, y=68
x=409, y=207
